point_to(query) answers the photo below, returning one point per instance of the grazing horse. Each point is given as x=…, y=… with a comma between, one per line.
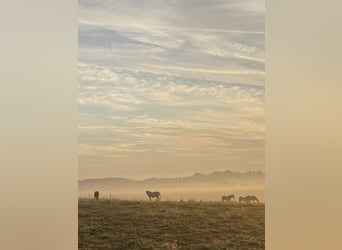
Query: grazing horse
x=153, y=195
x=96, y=195
x=228, y=197
x=249, y=198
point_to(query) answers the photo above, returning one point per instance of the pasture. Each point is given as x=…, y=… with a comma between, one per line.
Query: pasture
x=121, y=224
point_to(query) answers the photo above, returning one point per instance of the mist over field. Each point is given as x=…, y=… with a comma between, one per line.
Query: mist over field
x=197, y=187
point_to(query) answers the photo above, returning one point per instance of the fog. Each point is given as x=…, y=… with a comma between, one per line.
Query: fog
x=177, y=194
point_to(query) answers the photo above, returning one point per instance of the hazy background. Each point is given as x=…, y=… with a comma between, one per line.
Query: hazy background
x=303, y=124
x=170, y=88
x=204, y=187
x=38, y=107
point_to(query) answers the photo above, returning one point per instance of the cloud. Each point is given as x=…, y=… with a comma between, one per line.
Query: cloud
x=182, y=79
x=167, y=113
x=119, y=86
x=245, y=15
x=215, y=56
x=159, y=36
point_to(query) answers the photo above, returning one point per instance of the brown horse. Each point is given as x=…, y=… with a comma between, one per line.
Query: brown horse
x=96, y=195
x=227, y=197
x=249, y=198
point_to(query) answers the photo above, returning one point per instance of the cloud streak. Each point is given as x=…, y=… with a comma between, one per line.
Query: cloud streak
x=160, y=79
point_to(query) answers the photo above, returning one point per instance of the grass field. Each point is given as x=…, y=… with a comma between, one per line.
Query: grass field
x=119, y=224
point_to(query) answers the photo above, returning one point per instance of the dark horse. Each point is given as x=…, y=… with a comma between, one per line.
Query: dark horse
x=96, y=195
x=153, y=195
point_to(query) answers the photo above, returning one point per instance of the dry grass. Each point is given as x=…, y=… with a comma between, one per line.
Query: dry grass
x=174, y=225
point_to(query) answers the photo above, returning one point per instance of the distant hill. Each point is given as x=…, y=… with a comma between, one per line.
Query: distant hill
x=216, y=179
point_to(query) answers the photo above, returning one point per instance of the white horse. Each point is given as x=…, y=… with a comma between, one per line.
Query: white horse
x=228, y=197
x=153, y=195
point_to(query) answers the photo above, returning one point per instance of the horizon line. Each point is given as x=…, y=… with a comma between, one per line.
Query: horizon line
x=134, y=179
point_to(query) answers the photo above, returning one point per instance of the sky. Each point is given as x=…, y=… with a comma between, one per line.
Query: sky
x=169, y=88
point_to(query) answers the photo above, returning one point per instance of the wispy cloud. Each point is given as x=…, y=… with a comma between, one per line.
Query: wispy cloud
x=172, y=112
x=183, y=79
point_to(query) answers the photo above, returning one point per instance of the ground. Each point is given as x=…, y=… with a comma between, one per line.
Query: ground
x=119, y=224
